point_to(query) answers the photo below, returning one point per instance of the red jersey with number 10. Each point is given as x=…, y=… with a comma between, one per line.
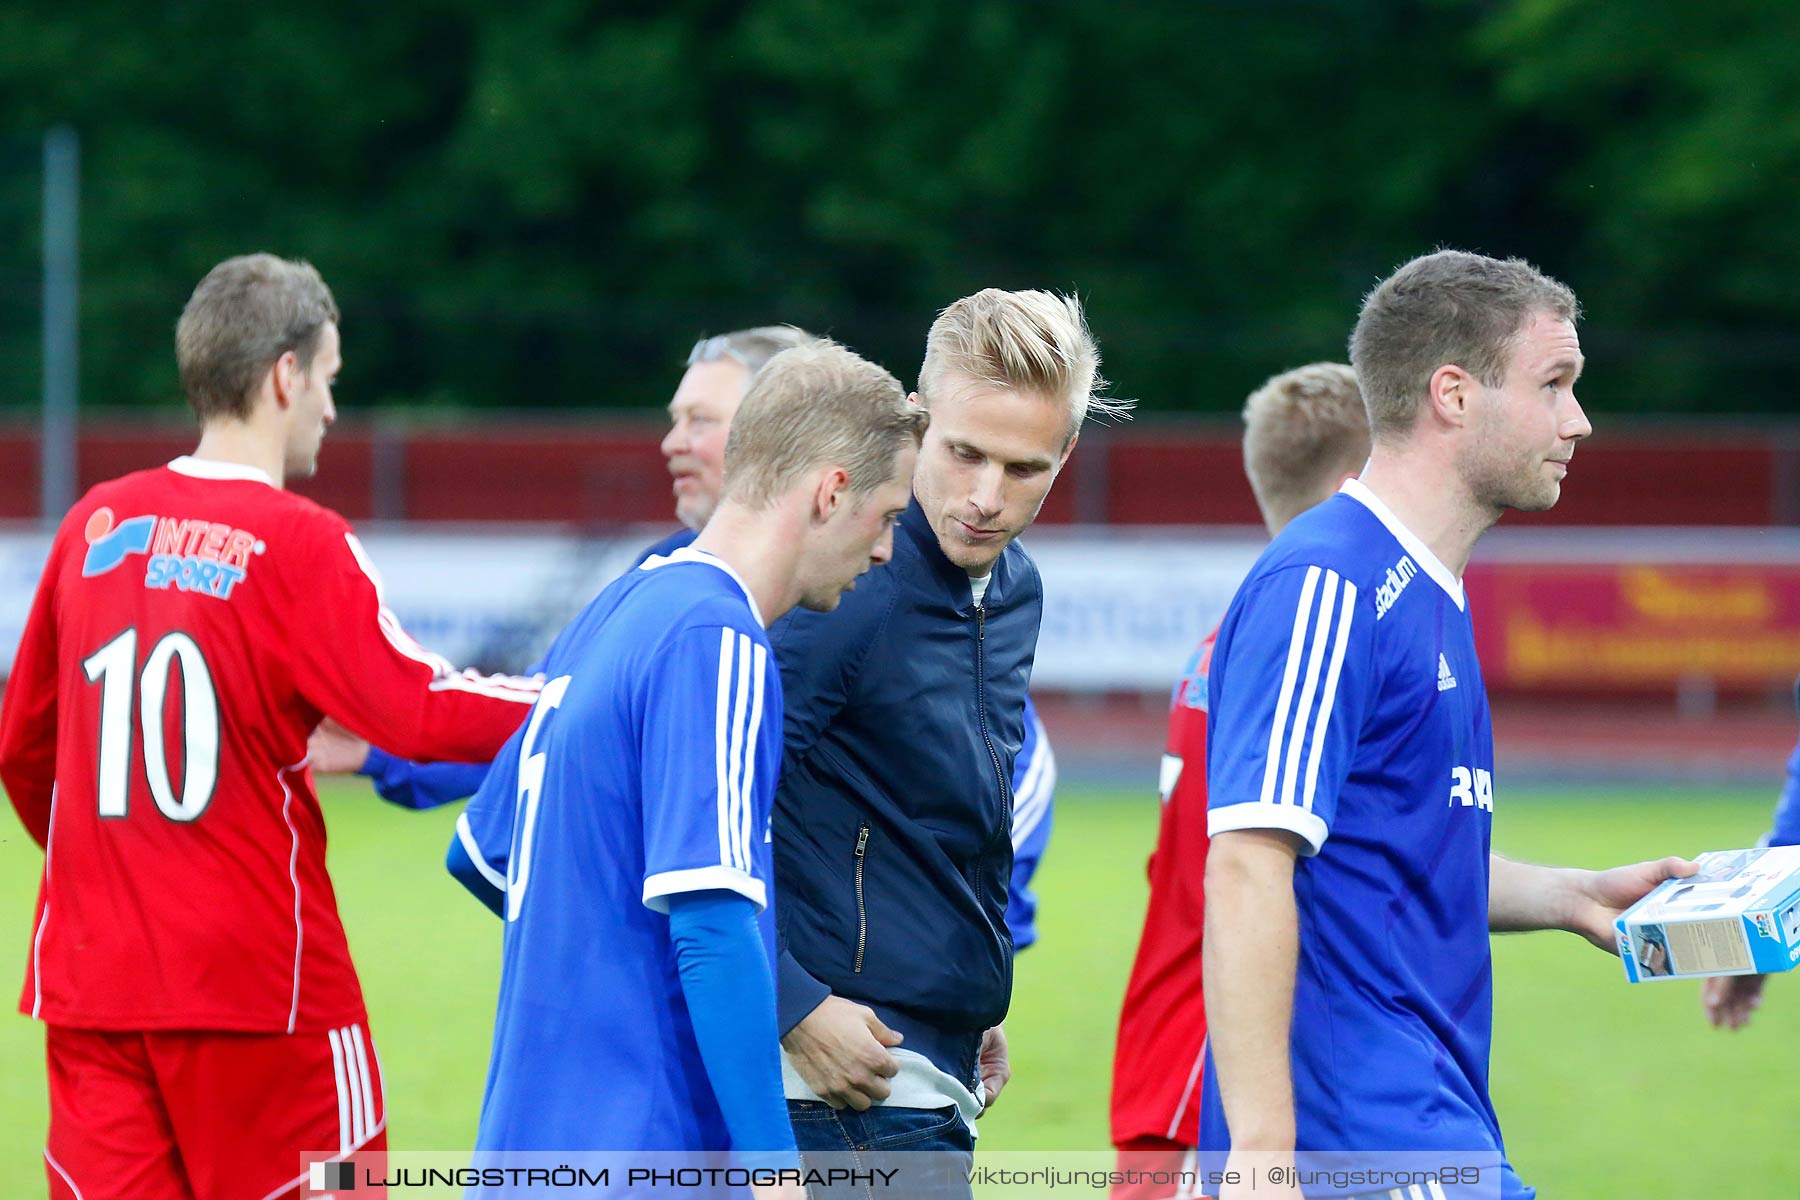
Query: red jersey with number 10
x=1162, y=1027
x=192, y=625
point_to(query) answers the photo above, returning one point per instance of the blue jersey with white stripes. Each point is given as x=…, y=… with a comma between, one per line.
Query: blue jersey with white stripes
x=646, y=769
x=1348, y=708
x=428, y=785
x=1034, y=786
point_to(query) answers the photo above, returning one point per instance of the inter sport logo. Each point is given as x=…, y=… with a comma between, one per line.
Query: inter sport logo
x=109, y=546
x=192, y=556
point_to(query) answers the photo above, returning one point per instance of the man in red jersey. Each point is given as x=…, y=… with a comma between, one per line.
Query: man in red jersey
x=194, y=622
x=1305, y=432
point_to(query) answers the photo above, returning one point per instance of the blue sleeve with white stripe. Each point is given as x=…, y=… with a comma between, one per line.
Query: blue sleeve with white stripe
x=711, y=726
x=1034, y=785
x=1291, y=679
x=482, y=843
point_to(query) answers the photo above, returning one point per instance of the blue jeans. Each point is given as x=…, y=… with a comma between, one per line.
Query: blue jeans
x=884, y=1153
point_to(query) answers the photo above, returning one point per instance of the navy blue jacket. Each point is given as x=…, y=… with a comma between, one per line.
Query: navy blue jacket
x=904, y=711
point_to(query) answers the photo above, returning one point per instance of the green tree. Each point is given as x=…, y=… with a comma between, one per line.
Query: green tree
x=542, y=204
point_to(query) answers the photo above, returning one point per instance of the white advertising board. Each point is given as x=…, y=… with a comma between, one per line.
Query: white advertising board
x=1123, y=607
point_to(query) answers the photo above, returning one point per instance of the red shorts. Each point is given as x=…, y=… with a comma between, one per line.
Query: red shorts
x=205, y=1116
x=1158, y=1169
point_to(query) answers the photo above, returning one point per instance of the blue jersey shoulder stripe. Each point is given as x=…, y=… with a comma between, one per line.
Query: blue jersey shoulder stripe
x=1323, y=594
x=743, y=668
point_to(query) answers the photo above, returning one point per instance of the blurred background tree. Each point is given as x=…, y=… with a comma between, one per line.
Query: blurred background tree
x=543, y=203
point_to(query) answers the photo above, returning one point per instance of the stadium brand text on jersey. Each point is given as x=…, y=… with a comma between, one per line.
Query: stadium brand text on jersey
x=1398, y=576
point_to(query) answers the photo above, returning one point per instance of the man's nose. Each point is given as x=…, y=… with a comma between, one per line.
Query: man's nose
x=989, y=493
x=1576, y=426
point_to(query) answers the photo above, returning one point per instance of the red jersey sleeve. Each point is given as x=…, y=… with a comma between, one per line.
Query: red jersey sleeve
x=1162, y=1022
x=354, y=662
x=1184, y=837
x=28, y=718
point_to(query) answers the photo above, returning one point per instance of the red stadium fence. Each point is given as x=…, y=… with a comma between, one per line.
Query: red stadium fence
x=607, y=471
x=1671, y=568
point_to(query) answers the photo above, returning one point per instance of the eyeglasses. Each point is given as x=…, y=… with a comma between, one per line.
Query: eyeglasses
x=712, y=349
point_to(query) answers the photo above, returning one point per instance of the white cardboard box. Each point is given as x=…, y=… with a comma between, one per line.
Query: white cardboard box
x=1739, y=916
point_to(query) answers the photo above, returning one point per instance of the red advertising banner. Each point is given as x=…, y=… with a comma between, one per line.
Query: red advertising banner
x=1635, y=626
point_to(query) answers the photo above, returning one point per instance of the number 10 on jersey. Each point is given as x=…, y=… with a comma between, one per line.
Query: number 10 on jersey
x=114, y=668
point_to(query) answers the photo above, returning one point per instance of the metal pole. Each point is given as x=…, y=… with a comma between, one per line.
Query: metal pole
x=387, y=453
x=62, y=266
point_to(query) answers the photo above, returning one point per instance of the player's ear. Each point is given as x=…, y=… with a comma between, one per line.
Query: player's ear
x=1450, y=392
x=285, y=375
x=1068, y=450
x=831, y=493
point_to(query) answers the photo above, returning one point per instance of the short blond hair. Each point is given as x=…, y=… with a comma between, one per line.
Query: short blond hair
x=1032, y=341
x=814, y=406
x=1304, y=430
x=246, y=313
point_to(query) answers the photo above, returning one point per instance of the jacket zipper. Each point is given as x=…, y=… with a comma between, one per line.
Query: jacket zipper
x=986, y=733
x=862, y=912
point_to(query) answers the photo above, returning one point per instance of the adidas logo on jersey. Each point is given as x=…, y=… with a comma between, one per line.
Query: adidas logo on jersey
x=1398, y=576
x=1446, y=680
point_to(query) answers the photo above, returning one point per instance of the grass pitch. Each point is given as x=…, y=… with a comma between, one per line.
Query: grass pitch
x=1603, y=1089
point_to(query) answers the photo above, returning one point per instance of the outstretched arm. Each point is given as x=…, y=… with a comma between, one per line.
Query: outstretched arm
x=334, y=750
x=1524, y=896
x=379, y=683
x=421, y=785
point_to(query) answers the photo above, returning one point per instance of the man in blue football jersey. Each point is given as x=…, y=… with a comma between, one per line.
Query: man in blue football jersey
x=720, y=370
x=637, y=1005
x=1350, y=886
x=1728, y=1000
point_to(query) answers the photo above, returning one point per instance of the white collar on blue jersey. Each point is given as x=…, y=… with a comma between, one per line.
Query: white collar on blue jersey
x=1428, y=562
x=689, y=554
x=212, y=468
